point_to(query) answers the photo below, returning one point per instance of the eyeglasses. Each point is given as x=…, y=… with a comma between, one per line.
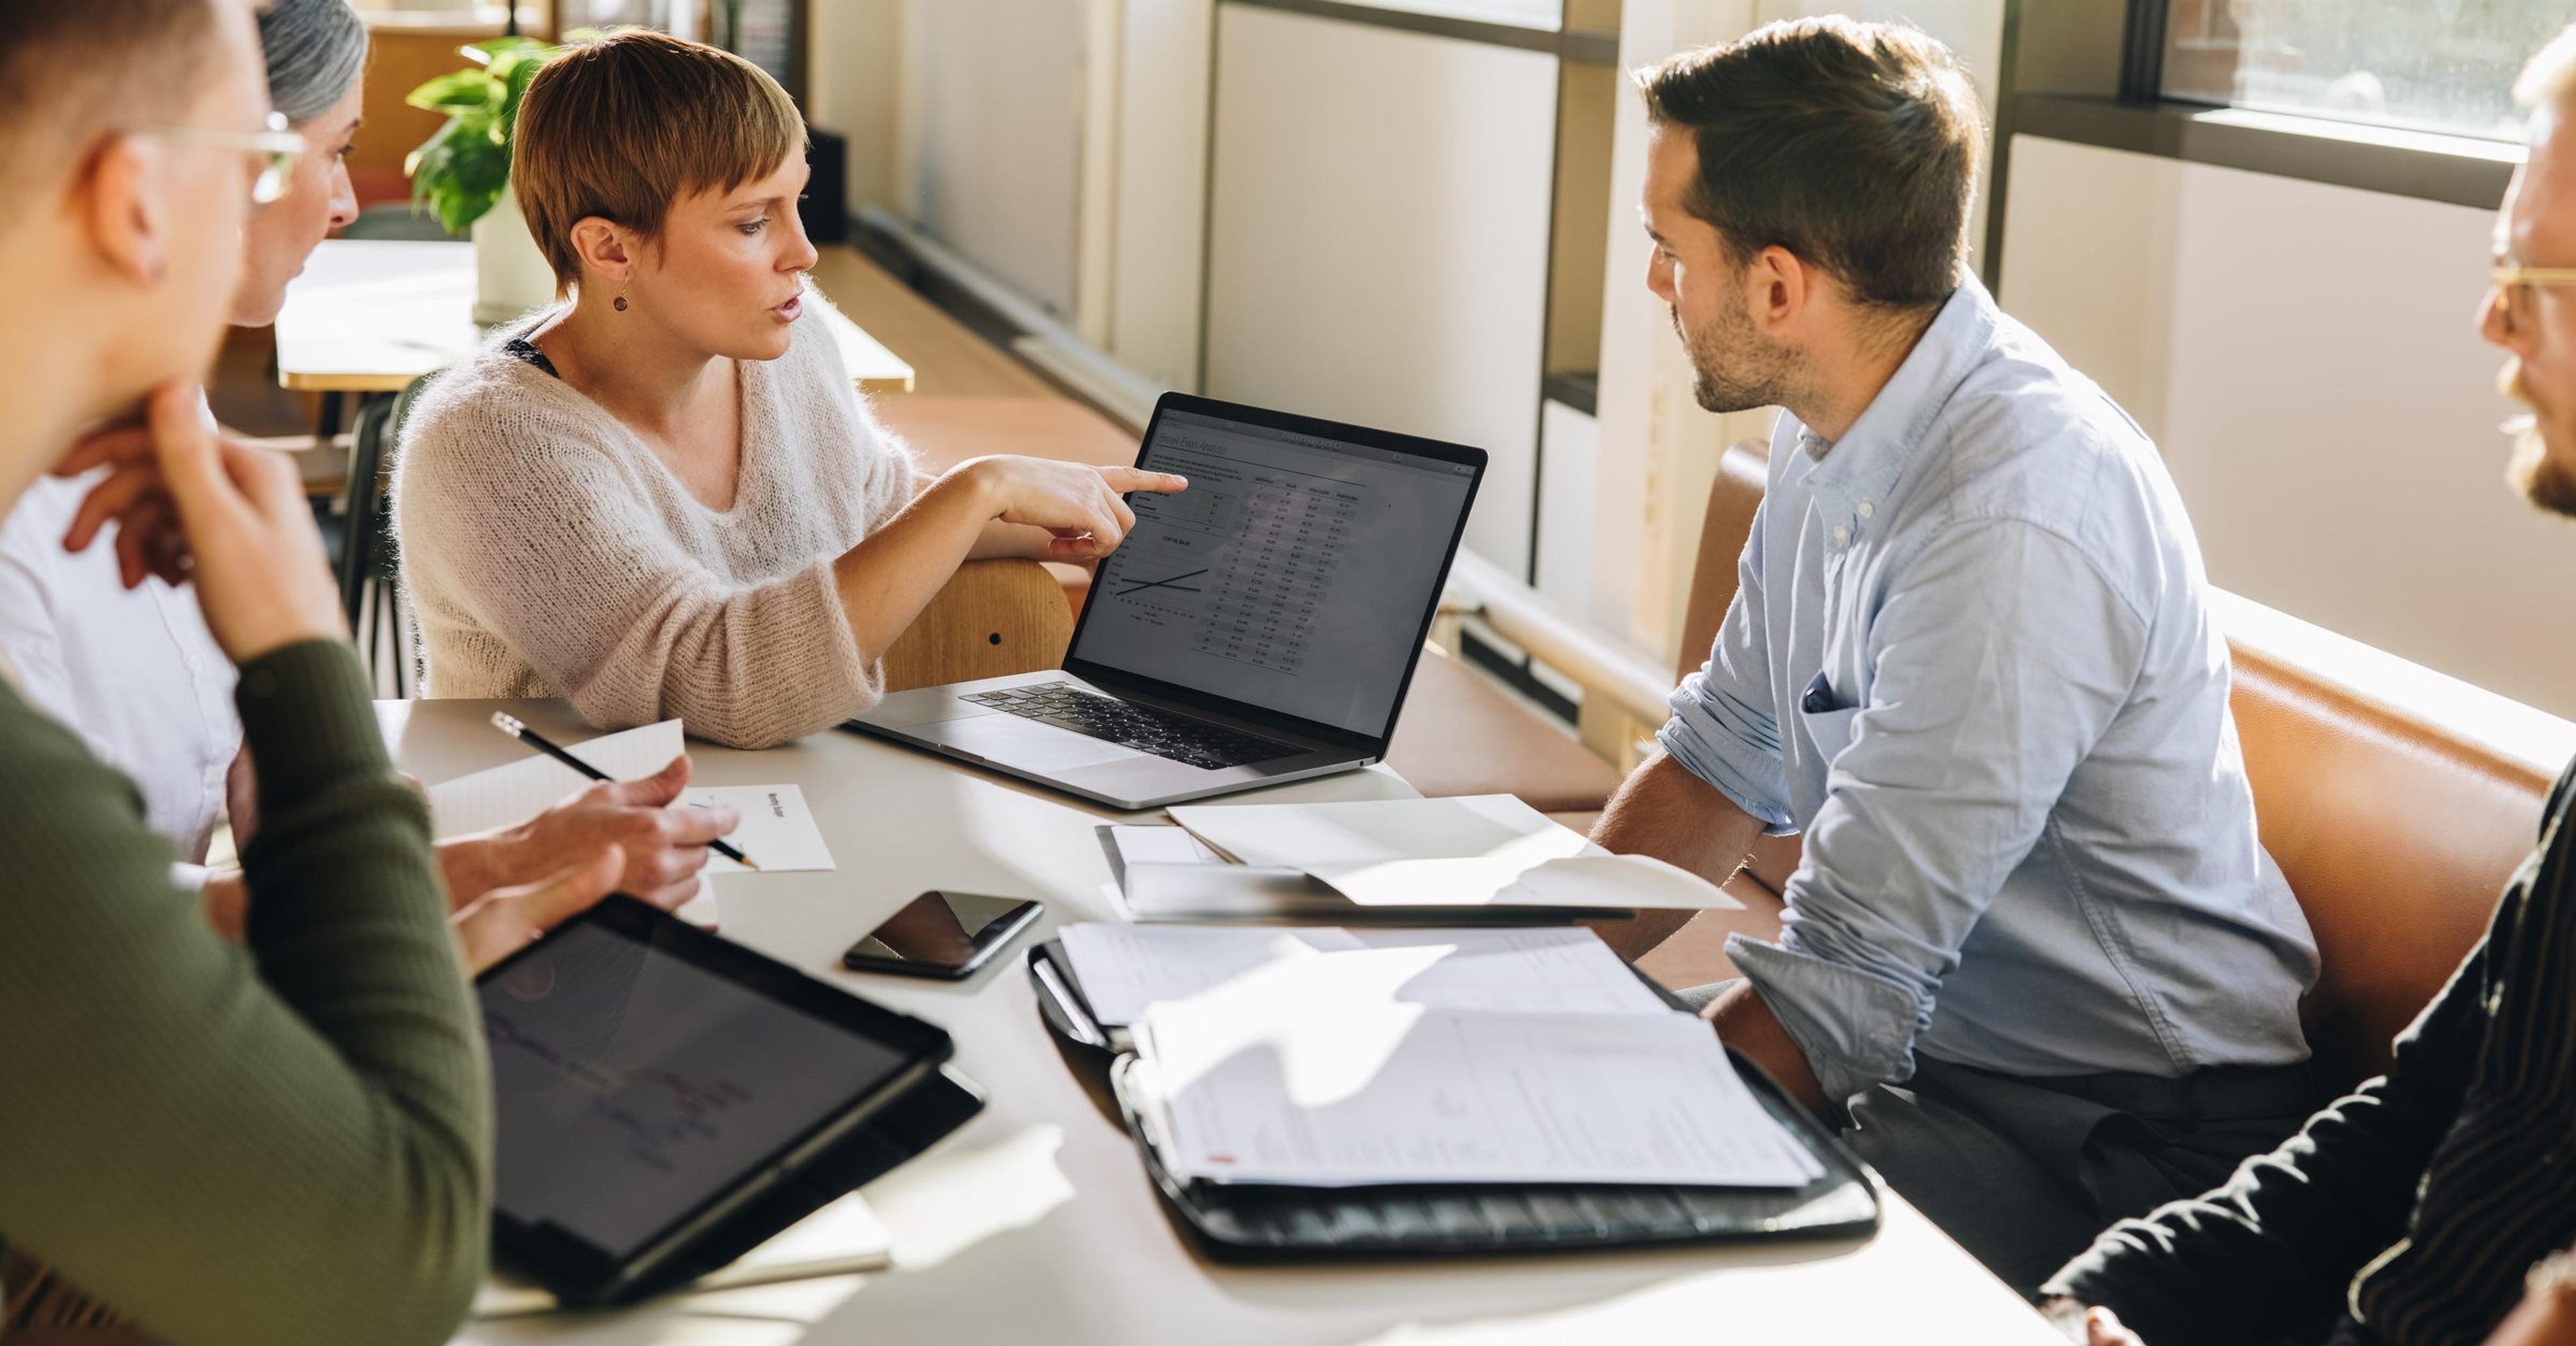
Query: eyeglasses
x=276, y=149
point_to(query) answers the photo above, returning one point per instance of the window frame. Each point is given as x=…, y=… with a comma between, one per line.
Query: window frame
x=2091, y=72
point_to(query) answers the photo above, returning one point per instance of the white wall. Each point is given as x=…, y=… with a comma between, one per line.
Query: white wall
x=1657, y=451
x=1160, y=231
x=1378, y=238
x=2306, y=357
x=992, y=127
x=856, y=50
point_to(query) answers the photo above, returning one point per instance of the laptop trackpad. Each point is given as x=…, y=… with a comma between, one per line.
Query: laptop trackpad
x=1024, y=744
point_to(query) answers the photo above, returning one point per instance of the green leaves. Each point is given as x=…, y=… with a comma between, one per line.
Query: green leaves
x=459, y=91
x=461, y=172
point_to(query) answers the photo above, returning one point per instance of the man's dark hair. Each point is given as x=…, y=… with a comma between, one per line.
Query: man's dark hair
x=73, y=70
x=1853, y=145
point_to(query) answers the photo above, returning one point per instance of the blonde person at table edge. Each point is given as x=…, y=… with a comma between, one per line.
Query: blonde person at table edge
x=284, y=1140
x=663, y=498
x=2434, y=1203
x=138, y=676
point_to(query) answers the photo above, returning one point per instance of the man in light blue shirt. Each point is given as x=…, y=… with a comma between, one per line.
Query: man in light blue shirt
x=2034, y=946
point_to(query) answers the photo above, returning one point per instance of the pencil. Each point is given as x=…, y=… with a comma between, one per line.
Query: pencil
x=511, y=725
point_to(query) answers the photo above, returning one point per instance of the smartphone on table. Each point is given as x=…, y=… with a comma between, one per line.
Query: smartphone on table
x=942, y=934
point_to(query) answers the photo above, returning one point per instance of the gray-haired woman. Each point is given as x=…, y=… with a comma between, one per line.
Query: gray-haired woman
x=317, y=60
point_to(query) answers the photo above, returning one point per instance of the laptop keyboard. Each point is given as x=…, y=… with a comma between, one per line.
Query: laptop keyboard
x=1161, y=733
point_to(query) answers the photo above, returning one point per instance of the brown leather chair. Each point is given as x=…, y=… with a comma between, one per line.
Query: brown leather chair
x=2396, y=835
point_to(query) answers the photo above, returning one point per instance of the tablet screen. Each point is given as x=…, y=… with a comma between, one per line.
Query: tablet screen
x=632, y=1084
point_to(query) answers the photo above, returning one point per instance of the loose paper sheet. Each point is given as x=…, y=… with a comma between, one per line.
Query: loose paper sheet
x=1478, y=850
x=1277, y=1093
x=1326, y=838
x=1124, y=968
x=778, y=831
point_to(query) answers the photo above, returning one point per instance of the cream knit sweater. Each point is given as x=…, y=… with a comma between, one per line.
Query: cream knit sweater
x=548, y=552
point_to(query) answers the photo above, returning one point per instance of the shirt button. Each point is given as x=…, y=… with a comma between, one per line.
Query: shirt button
x=1867, y=509
x=1842, y=533
x=195, y=664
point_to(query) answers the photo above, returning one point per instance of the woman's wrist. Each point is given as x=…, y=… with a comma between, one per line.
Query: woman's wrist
x=978, y=480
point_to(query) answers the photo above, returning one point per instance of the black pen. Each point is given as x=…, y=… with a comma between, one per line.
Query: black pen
x=511, y=725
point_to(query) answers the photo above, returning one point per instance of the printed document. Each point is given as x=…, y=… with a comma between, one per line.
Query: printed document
x=1410, y=1094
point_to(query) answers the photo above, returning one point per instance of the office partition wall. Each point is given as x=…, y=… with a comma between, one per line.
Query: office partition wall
x=1378, y=238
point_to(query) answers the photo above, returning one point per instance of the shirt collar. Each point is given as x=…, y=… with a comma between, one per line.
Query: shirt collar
x=1866, y=462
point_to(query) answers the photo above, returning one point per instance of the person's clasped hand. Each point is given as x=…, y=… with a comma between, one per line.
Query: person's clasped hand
x=191, y=506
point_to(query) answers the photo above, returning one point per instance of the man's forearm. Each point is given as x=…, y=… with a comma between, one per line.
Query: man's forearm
x=1664, y=811
x=1744, y=1022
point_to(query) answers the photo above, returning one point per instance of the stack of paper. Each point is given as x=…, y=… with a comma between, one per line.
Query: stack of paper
x=1479, y=851
x=1338, y=1058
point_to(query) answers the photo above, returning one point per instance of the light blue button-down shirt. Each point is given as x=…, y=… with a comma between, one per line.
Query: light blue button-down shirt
x=2029, y=841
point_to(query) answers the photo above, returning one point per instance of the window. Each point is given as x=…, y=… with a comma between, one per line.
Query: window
x=1543, y=14
x=2430, y=65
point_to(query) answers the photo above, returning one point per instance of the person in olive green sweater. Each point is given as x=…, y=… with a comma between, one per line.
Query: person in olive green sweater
x=286, y=1140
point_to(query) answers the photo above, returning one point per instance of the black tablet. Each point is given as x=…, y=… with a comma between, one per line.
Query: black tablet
x=652, y=1081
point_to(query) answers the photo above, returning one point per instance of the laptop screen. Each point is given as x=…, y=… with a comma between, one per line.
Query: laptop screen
x=1295, y=574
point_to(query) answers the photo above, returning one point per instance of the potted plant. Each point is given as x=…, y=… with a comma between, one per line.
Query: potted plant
x=463, y=172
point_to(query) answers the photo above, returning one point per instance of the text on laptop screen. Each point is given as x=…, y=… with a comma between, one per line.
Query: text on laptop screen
x=1293, y=574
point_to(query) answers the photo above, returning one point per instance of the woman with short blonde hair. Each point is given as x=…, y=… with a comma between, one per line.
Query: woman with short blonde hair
x=662, y=497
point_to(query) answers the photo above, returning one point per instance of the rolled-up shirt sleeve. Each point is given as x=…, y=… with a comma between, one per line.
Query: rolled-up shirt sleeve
x=1725, y=728
x=1995, y=669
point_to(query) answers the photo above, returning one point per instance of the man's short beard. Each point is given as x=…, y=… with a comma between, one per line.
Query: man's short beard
x=2539, y=476
x=1733, y=368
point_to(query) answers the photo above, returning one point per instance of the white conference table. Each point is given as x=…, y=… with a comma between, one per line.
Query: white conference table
x=371, y=315
x=1035, y=1223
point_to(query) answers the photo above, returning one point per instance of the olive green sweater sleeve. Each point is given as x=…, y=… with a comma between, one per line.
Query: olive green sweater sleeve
x=281, y=1143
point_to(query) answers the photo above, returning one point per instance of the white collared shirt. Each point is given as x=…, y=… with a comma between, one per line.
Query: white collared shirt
x=133, y=671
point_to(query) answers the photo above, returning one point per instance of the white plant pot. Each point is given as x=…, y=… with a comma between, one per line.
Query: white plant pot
x=510, y=274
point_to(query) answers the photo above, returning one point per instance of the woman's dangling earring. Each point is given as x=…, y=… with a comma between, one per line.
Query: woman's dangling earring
x=621, y=303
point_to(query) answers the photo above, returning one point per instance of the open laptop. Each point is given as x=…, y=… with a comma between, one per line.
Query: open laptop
x=1259, y=627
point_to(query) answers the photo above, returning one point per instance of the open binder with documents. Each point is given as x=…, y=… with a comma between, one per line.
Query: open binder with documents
x=1476, y=1125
